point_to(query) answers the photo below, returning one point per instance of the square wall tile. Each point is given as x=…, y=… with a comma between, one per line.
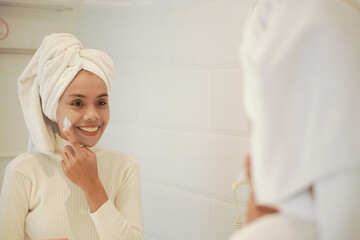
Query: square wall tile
x=11, y=67
x=150, y=147
x=155, y=7
x=227, y=110
x=223, y=217
x=187, y=4
x=94, y=15
x=174, y=214
x=123, y=100
x=135, y=45
x=14, y=134
x=208, y=35
x=169, y=99
x=188, y=95
x=207, y=162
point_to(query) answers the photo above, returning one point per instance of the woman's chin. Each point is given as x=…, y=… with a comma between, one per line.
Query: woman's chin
x=89, y=142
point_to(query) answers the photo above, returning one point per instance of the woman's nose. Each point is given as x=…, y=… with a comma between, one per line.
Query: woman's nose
x=91, y=114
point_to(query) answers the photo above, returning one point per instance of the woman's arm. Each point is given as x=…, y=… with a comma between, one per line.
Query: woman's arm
x=14, y=204
x=113, y=221
x=123, y=218
x=255, y=211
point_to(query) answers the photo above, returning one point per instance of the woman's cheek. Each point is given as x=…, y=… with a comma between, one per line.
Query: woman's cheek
x=74, y=117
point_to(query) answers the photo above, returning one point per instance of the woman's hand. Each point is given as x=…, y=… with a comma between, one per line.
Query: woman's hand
x=255, y=211
x=80, y=166
x=79, y=163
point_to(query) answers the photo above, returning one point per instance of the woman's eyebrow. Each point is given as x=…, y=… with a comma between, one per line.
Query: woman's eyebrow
x=103, y=95
x=82, y=96
x=77, y=95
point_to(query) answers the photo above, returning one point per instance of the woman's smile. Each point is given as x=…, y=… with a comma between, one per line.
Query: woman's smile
x=89, y=130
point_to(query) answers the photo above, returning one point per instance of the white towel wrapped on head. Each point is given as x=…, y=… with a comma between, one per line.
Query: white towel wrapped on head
x=55, y=64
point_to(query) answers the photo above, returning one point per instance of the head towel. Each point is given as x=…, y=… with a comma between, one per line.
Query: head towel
x=54, y=65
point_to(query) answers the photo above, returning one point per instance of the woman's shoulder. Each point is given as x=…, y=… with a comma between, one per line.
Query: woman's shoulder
x=27, y=161
x=25, y=158
x=118, y=157
x=22, y=164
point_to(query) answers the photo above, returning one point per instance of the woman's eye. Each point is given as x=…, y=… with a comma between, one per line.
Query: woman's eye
x=102, y=103
x=76, y=103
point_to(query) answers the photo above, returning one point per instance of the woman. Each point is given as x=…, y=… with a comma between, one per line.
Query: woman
x=302, y=82
x=66, y=186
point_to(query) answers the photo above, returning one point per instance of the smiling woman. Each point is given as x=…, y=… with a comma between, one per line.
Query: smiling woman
x=66, y=186
x=85, y=103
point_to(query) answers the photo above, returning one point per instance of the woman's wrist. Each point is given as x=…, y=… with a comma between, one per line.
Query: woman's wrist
x=96, y=196
x=92, y=187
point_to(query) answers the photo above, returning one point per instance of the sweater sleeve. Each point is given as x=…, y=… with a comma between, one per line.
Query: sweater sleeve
x=122, y=219
x=14, y=202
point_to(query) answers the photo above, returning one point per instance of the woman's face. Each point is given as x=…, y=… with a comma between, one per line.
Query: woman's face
x=85, y=104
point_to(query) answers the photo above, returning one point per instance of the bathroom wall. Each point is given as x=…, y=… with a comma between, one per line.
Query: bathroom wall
x=176, y=107
x=176, y=104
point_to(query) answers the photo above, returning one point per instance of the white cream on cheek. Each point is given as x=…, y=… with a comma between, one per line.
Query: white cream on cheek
x=67, y=123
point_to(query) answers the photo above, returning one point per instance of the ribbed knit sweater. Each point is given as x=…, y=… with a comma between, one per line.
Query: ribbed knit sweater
x=38, y=201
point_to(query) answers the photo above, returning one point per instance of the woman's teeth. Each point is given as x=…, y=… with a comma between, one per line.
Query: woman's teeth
x=89, y=129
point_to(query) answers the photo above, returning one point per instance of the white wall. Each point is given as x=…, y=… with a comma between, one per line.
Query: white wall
x=177, y=109
x=176, y=106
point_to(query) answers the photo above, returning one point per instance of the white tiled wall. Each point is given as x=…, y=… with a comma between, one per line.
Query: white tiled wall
x=206, y=36
x=227, y=113
x=206, y=162
x=175, y=214
x=177, y=109
x=222, y=219
x=176, y=106
x=150, y=146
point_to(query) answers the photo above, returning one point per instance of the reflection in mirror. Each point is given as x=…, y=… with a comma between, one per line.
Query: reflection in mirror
x=176, y=107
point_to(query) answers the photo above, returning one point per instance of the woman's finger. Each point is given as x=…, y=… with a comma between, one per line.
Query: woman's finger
x=63, y=166
x=87, y=151
x=70, y=152
x=66, y=161
x=72, y=140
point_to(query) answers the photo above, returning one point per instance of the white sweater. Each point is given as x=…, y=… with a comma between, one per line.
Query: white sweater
x=38, y=201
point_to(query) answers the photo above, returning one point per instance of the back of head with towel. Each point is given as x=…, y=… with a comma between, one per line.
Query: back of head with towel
x=66, y=186
x=302, y=93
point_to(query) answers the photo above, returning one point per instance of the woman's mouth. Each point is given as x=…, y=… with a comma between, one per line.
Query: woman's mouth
x=89, y=131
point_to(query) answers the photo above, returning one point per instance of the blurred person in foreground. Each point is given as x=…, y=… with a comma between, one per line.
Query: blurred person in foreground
x=302, y=94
